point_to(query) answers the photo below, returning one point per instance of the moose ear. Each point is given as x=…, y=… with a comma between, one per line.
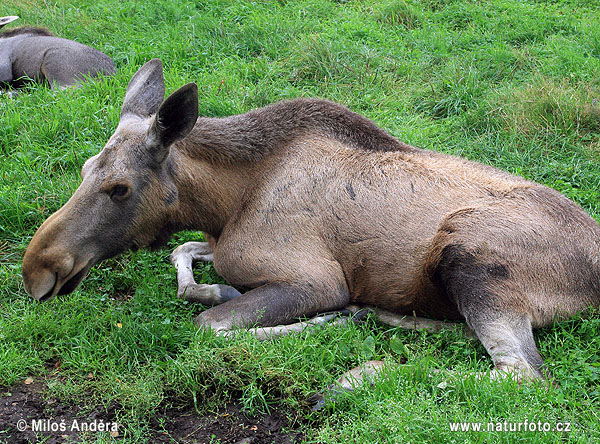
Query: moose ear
x=6, y=20
x=145, y=92
x=174, y=120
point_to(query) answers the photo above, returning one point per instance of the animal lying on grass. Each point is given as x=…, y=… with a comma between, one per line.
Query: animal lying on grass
x=314, y=208
x=36, y=54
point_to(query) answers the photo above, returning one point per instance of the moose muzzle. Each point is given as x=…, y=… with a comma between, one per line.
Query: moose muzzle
x=51, y=264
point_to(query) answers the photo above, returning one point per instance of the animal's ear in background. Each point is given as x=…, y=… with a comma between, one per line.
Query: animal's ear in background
x=174, y=120
x=6, y=20
x=145, y=92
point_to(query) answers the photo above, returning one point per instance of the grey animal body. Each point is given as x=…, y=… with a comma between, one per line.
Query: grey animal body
x=313, y=208
x=37, y=54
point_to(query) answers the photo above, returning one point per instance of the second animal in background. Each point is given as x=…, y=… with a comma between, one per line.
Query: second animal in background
x=35, y=54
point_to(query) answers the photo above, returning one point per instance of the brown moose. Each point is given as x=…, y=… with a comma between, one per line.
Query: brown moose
x=314, y=208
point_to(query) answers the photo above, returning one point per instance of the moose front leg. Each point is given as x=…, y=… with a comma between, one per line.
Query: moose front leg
x=274, y=304
x=183, y=258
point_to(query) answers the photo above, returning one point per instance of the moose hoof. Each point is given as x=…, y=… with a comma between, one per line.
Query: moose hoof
x=208, y=294
x=332, y=394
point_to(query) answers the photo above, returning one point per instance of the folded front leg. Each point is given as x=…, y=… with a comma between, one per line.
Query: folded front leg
x=183, y=257
x=277, y=303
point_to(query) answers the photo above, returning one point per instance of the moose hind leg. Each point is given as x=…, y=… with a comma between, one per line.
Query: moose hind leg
x=487, y=298
x=509, y=341
x=183, y=258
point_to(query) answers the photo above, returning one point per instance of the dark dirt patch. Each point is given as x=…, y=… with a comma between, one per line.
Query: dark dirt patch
x=57, y=422
x=26, y=416
x=228, y=425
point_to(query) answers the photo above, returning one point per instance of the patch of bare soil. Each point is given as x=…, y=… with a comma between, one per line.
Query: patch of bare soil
x=26, y=416
x=228, y=425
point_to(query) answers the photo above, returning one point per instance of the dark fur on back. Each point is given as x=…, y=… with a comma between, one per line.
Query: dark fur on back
x=26, y=30
x=251, y=136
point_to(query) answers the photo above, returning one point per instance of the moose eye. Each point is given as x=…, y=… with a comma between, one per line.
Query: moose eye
x=119, y=192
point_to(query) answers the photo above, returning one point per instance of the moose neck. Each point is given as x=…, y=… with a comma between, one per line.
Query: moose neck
x=221, y=156
x=215, y=162
x=209, y=191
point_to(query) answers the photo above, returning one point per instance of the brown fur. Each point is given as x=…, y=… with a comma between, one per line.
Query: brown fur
x=313, y=207
x=251, y=136
x=26, y=30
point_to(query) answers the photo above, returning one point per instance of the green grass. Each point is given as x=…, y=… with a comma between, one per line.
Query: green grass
x=512, y=84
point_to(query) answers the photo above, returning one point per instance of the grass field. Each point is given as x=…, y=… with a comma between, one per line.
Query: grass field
x=511, y=84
